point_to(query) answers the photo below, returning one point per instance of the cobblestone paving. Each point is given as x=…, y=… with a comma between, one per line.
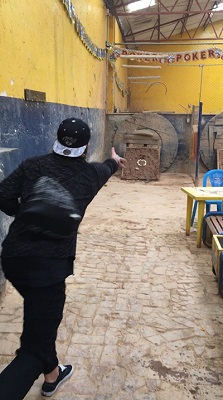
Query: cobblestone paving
x=143, y=319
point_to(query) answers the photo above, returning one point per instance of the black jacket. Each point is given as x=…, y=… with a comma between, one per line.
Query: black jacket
x=82, y=179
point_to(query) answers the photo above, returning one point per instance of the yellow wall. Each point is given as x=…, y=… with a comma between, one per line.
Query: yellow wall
x=117, y=98
x=181, y=83
x=40, y=50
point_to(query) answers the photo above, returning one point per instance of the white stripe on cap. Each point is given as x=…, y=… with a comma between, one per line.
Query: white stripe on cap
x=58, y=148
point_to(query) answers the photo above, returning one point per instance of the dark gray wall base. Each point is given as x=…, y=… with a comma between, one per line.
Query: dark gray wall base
x=32, y=126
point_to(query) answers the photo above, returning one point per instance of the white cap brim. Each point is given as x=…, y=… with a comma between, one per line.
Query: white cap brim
x=58, y=148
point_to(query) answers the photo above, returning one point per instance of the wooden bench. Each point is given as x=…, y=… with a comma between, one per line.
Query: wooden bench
x=212, y=225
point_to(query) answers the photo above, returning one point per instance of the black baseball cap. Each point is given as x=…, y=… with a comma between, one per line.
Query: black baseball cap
x=73, y=136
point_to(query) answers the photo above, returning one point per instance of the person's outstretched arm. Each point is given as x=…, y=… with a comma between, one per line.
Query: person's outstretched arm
x=106, y=169
x=120, y=160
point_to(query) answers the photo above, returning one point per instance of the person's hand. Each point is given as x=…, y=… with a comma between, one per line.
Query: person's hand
x=120, y=160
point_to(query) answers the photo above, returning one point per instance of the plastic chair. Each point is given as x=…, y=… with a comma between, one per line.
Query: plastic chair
x=215, y=176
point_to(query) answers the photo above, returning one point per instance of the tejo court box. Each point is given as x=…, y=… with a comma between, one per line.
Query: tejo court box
x=142, y=155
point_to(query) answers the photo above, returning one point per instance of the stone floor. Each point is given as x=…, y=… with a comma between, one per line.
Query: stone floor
x=143, y=319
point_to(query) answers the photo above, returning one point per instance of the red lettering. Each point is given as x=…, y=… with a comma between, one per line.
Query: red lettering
x=203, y=55
x=187, y=57
x=195, y=56
x=211, y=53
x=178, y=57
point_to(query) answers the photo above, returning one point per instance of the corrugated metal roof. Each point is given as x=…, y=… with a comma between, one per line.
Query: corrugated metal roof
x=166, y=19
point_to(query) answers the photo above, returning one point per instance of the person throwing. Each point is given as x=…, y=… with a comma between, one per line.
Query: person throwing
x=37, y=263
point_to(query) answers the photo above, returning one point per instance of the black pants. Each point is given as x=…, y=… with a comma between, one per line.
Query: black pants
x=43, y=312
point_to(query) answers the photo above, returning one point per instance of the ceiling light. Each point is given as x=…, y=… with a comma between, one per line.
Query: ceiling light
x=217, y=7
x=139, y=5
